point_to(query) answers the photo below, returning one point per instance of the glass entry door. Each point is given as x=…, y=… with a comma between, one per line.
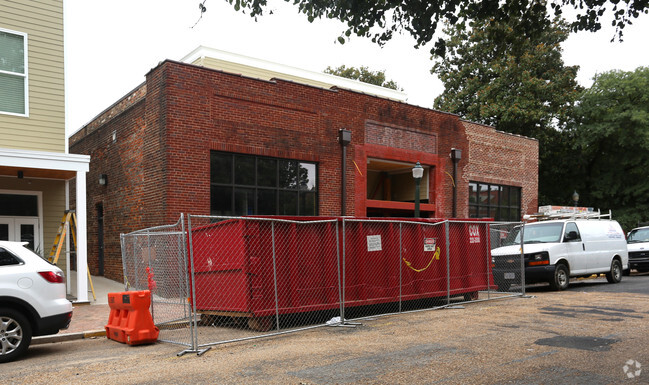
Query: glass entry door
x=21, y=229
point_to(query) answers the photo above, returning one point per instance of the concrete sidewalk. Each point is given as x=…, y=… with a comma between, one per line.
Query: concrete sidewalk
x=88, y=319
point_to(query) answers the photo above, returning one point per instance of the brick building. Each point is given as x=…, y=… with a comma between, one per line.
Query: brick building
x=199, y=140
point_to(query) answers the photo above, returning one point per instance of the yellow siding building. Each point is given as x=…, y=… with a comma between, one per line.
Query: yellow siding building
x=35, y=168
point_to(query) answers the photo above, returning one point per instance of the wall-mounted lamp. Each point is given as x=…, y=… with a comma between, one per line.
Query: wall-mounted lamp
x=103, y=179
x=417, y=174
x=456, y=155
x=344, y=138
x=20, y=175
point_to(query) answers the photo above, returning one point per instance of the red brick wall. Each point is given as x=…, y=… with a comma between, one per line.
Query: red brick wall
x=122, y=161
x=159, y=164
x=502, y=158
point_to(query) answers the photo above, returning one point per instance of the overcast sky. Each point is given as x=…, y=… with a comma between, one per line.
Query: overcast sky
x=111, y=45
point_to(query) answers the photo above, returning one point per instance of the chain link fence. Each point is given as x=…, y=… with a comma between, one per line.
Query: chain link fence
x=230, y=279
x=156, y=259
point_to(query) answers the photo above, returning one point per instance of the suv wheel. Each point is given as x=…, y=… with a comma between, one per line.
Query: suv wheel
x=561, y=278
x=615, y=275
x=15, y=334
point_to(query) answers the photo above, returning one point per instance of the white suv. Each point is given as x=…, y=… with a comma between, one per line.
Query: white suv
x=32, y=299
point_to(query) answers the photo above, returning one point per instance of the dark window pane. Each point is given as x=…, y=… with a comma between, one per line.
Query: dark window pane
x=515, y=197
x=307, y=176
x=4, y=232
x=266, y=202
x=288, y=203
x=267, y=172
x=504, y=195
x=483, y=196
x=220, y=168
x=244, y=170
x=244, y=201
x=473, y=193
x=27, y=235
x=221, y=200
x=19, y=205
x=6, y=258
x=493, y=195
x=288, y=174
x=473, y=211
x=483, y=212
x=308, y=204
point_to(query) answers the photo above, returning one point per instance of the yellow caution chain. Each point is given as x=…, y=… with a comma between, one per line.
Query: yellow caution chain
x=435, y=256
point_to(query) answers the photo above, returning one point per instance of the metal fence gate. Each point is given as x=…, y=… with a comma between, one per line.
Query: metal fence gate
x=156, y=259
x=226, y=279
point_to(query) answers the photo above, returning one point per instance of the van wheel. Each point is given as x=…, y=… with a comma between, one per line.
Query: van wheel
x=615, y=275
x=561, y=278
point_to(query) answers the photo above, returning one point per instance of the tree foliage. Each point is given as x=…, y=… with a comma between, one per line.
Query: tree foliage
x=501, y=74
x=513, y=78
x=364, y=75
x=612, y=145
x=380, y=20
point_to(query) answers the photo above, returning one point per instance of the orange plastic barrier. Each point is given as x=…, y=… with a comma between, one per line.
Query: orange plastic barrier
x=130, y=321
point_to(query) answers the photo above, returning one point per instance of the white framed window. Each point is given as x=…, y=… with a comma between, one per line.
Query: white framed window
x=14, y=98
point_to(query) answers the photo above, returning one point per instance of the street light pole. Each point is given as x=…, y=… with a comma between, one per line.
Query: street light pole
x=417, y=173
x=575, y=197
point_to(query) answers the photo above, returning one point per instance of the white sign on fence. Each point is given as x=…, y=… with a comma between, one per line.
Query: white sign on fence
x=429, y=244
x=474, y=234
x=374, y=243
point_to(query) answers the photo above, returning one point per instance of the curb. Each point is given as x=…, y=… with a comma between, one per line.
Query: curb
x=67, y=337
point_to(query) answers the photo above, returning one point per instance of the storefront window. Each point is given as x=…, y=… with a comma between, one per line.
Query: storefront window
x=503, y=203
x=254, y=185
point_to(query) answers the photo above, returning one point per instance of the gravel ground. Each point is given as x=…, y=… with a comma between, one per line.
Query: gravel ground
x=567, y=337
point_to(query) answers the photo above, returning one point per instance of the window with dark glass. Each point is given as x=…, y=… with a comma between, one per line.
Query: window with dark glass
x=18, y=205
x=7, y=259
x=256, y=185
x=486, y=200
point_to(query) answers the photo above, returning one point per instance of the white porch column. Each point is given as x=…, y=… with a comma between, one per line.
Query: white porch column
x=82, y=239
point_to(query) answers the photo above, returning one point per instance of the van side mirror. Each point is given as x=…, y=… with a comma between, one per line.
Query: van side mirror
x=571, y=236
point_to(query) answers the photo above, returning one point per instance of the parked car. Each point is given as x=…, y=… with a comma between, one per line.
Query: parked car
x=556, y=250
x=32, y=299
x=638, y=246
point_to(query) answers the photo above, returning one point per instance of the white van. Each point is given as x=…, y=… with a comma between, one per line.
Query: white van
x=556, y=250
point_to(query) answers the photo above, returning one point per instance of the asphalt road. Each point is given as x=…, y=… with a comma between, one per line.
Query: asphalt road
x=593, y=333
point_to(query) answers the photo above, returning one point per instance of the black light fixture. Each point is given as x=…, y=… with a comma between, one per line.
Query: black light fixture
x=417, y=173
x=344, y=138
x=456, y=155
x=575, y=197
x=103, y=179
x=20, y=175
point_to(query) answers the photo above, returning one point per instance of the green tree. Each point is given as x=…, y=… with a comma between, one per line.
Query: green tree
x=501, y=74
x=380, y=20
x=364, y=75
x=513, y=78
x=612, y=141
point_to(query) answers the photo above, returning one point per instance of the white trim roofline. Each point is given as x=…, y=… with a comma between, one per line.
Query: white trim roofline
x=340, y=82
x=44, y=160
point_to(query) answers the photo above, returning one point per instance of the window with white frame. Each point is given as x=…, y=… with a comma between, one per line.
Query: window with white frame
x=13, y=73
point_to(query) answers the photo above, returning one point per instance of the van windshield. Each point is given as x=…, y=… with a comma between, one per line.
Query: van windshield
x=638, y=235
x=536, y=233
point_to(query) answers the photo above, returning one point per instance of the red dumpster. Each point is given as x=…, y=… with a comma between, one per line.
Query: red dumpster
x=235, y=269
